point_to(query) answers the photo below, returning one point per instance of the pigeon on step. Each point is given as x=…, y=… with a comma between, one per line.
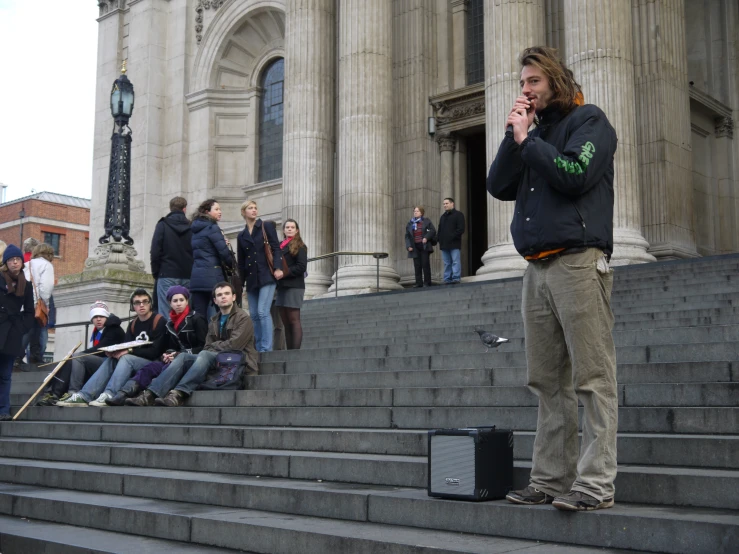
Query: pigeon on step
x=490, y=340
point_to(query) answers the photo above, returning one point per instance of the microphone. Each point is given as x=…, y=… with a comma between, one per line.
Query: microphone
x=509, y=131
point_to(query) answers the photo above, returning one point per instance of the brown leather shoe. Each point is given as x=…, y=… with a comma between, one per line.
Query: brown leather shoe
x=146, y=398
x=173, y=399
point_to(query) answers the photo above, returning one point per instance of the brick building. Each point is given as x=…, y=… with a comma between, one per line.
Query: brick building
x=60, y=220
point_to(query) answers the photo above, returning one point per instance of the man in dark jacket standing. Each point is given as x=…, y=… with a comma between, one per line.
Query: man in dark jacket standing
x=451, y=229
x=171, y=252
x=561, y=177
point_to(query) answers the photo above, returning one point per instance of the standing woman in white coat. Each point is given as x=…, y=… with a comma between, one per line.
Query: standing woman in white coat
x=42, y=272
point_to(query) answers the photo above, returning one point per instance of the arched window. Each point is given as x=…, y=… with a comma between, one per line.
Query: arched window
x=270, y=122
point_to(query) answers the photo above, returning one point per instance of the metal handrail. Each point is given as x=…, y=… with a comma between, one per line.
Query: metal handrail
x=87, y=326
x=376, y=255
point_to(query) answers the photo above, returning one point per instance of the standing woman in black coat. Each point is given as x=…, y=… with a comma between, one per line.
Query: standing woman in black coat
x=16, y=319
x=260, y=279
x=291, y=288
x=210, y=254
x=419, y=234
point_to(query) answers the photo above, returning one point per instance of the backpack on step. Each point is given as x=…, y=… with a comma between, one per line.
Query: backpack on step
x=228, y=372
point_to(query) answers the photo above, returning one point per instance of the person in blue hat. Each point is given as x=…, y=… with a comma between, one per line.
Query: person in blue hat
x=16, y=319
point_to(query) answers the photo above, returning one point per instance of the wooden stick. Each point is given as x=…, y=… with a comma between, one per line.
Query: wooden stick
x=76, y=358
x=47, y=379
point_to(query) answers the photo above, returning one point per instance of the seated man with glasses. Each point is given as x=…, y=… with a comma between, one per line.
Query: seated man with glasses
x=146, y=327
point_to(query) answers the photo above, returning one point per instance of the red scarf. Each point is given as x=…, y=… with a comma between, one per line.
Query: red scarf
x=178, y=319
x=285, y=242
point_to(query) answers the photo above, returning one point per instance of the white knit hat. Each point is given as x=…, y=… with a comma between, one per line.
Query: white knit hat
x=99, y=308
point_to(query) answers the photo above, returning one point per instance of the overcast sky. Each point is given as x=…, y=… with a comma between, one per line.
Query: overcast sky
x=48, y=57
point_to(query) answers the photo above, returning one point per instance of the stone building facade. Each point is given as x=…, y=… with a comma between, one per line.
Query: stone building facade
x=319, y=110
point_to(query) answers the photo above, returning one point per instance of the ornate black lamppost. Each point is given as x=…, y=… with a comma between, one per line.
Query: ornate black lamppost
x=21, y=215
x=118, y=204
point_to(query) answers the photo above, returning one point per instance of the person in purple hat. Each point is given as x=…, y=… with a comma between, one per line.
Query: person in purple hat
x=16, y=319
x=186, y=331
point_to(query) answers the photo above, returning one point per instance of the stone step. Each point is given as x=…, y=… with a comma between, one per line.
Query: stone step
x=664, y=485
x=707, y=451
x=410, y=314
x=662, y=394
x=24, y=536
x=701, y=420
x=454, y=331
x=274, y=533
x=437, y=356
x=470, y=341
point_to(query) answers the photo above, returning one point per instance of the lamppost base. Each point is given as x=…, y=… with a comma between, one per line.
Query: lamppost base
x=114, y=255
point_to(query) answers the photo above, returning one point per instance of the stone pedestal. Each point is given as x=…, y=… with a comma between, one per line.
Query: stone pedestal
x=111, y=275
x=308, y=165
x=365, y=111
x=510, y=27
x=603, y=65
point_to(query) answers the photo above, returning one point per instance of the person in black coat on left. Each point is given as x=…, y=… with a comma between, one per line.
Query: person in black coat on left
x=260, y=280
x=419, y=235
x=16, y=319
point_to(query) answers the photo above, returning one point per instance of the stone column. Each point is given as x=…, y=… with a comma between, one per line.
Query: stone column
x=447, y=146
x=365, y=111
x=603, y=65
x=509, y=28
x=664, y=132
x=308, y=164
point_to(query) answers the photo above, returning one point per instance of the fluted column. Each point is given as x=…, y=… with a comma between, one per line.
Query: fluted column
x=447, y=145
x=510, y=27
x=308, y=165
x=599, y=52
x=365, y=113
x=663, y=131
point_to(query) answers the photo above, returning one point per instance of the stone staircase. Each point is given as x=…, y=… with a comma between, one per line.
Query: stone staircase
x=326, y=451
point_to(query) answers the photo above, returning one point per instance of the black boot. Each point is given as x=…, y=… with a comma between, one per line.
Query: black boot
x=120, y=398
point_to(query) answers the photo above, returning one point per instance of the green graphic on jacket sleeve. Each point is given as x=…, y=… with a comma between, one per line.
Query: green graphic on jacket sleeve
x=577, y=168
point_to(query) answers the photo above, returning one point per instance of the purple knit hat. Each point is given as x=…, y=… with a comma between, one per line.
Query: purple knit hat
x=177, y=289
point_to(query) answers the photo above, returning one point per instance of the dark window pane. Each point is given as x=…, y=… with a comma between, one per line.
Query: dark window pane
x=475, y=63
x=52, y=239
x=270, y=122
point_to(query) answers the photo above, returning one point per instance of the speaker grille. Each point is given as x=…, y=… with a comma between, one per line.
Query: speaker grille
x=453, y=464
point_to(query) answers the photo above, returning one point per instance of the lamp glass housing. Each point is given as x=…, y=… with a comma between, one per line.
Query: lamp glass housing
x=121, y=98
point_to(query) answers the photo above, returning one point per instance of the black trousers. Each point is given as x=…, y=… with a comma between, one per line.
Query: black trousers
x=422, y=265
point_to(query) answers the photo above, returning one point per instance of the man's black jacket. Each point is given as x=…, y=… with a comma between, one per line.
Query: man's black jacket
x=171, y=247
x=112, y=334
x=561, y=177
x=451, y=229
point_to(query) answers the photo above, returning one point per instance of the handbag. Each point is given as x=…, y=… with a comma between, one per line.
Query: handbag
x=42, y=310
x=270, y=257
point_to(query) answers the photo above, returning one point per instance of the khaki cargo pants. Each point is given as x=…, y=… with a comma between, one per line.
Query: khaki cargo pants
x=570, y=353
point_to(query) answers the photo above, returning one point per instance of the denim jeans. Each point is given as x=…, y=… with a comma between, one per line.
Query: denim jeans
x=74, y=374
x=260, y=303
x=197, y=372
x=96, y=384
x=6, y=372
x=172, y=375
x=452, y=265
x=163, y=283
x=34, y=342
x=571, y=355
x=202, y=303
x=127, y=366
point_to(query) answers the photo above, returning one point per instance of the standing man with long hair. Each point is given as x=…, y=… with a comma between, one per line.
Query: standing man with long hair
x=561, y=177
x=291, y=288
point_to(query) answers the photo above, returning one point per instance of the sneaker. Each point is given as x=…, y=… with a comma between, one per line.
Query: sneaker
x=49, y=399
x=146, y=398
x=529, y=496
x=74, y=401
x=174, y=399
x=576, y=501
x=66, y=396
x=100, y=401
x=6, y=417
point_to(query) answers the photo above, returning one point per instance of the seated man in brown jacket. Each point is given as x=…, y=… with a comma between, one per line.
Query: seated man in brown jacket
x=229, y=330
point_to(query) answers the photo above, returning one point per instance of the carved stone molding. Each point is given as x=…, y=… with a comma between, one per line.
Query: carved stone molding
x=724, y=127
x=459, y=108
x=114, y=255
x=447, y=142
x=106, y=6
x=201, y=7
